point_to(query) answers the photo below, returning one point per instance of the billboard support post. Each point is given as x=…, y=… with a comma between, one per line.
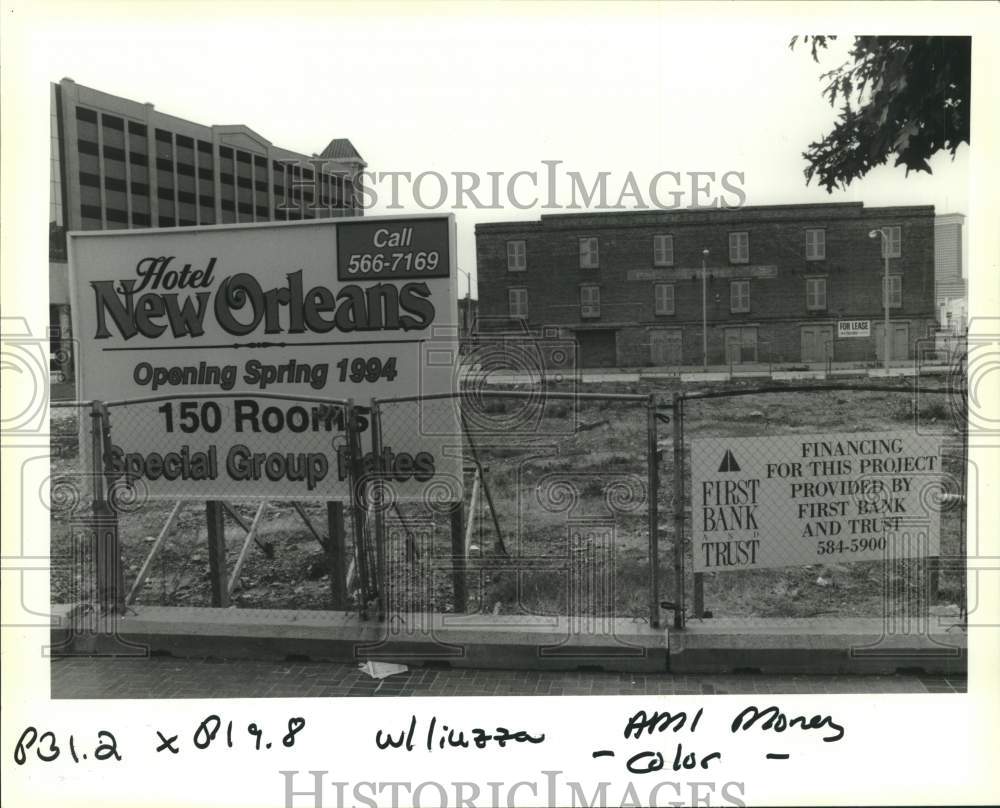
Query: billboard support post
x=376, y=495
x=458, y=560
x=336, y=554
x=216, y=525
x=110, y=590
x=358, y=507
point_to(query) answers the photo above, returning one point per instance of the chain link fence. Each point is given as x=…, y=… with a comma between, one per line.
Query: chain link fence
x=546, y=509
x=530, y=500
x=794, y=505
x=178, y=479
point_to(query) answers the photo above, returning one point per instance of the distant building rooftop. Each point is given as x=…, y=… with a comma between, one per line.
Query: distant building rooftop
x=340, y=148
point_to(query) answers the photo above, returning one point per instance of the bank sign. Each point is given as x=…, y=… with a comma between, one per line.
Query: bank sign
x=811, y=499
x=241, y=332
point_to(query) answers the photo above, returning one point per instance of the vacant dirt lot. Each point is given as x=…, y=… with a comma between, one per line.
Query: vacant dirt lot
x=568, y=481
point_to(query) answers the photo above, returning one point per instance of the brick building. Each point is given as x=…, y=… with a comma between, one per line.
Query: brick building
x=783, y=283
x=117, y=163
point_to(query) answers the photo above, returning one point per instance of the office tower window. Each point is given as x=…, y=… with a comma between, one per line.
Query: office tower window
x=279, y=186
x=138, y=166
x=227, y=185
x=206, y=183
x=86, y=124
x=262, y=210
x=187, y=212
x=165, y=178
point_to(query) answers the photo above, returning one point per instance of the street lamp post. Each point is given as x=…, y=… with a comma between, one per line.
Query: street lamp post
x=704, y=313
x=467, y=313
x=886, y=345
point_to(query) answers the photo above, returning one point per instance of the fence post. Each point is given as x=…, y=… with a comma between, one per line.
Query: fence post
x=336, y=554
x=458, y=556
x=964, y=570
x=680, y=604
x=653, y=484
x=377, y=497
x=215, y=522
x=110, y=589
x=699, y=595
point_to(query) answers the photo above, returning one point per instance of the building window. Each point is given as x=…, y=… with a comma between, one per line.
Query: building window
x=590, y=302
x=86, y=124
x=663, y=294
x=663, y=250
x=895, y=291
x=893, y=241
x=517, y=302
x=815, y=244
x=589, y=257
x=517, y=260
x=739, y=296
x=816, y=294
x=739, y=248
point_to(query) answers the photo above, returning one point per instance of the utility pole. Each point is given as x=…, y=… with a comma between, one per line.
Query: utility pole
x=886, y=344
x=704, y=312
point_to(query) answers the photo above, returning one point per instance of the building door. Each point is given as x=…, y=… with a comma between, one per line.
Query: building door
x=900, y=341
x=665, y=347
x=598, y=349
x=816, y=340
x=741, y=345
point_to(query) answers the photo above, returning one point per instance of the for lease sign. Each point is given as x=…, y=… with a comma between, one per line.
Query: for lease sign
x=804, y=499
x=241, y=333
x=854, y=328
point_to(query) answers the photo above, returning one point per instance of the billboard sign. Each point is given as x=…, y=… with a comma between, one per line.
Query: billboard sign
x=242, y=332
x=788, y=500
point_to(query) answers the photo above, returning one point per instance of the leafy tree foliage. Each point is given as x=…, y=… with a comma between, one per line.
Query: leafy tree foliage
x=902, y=96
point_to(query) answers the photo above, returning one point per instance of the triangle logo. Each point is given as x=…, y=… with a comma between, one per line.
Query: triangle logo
x=729, y=462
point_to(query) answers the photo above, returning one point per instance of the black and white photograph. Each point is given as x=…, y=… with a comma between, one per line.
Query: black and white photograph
x=619, y=378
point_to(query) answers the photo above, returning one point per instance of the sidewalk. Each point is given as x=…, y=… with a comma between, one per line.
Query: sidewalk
x=165, y=677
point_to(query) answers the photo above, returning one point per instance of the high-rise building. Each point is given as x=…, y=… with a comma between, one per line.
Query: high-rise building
x=950, y=289
x=117, y=163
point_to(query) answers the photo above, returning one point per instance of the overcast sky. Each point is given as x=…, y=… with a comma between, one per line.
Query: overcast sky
x=650, y=90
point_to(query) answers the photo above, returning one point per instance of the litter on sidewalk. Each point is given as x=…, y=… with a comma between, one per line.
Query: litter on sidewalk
x=380, y=670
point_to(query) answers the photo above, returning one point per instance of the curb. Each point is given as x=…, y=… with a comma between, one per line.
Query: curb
x=719, y=646
x=846, y=646
x=424, y=639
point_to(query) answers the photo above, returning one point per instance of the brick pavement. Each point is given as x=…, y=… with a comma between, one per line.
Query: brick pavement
x=165, y=677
